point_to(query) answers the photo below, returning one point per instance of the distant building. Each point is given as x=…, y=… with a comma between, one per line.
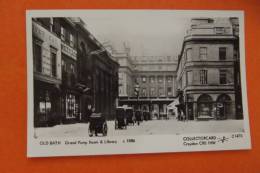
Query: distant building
x=206, y=69
x=155, y=78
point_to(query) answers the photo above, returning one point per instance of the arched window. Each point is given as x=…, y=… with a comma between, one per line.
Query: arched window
x=205, y=106
x=224, y=109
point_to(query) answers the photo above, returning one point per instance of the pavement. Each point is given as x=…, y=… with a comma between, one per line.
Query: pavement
x=152, y=127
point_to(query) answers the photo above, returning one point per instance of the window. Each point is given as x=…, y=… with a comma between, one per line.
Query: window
x=72, y=68
x=62, y=34
x=219, y=30
x=152, y=80
x=203, y=53
x=152, y=92
x=63, y=64
x=51, y=25
x=144, y=79
x=161, y=92
x=189, y=77
x=144, y=92
x=188, y=54
x=222, y=53
x=169, y=79
x=160, y=79
x=71, y=40
x=169, y=91
x=222, y=77
x=203, y=77
x=53, y=64
x=37, y=56
x=71, y=106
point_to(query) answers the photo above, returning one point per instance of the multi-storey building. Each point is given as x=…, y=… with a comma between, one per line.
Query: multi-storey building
x=72, y=72
x=98, y=74
x=47, y=71
x=205, y=72
x=155, y=77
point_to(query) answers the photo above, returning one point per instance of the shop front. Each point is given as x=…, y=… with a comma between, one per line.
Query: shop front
x=46, y=104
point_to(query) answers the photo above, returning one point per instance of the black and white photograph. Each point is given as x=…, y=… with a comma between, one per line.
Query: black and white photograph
x=135, y=81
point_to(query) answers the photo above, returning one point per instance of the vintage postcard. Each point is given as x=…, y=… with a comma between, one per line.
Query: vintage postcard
x=135, y=81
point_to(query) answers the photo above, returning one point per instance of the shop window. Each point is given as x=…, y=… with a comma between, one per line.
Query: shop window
x=205, y=106
x=71, y=106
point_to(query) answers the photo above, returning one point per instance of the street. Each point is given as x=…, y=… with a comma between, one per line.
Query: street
x=152, y=127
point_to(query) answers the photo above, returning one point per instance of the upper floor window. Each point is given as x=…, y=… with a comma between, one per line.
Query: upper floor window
x=37, y=56
x=222, y=76
x=144, y=79
x=51, y=25
x=203, y=76
x=169, y=79
x=160, y=79
x=219, y=30
x=169, y=91
x=161, y=91
x=72, y=40
x=144, y=92
x=188, y=54
x=189, y=77
x=62, y=34
x=222, y=53
x=203, y=53
x=152, y=92
x=53, y=62
x=152, y=80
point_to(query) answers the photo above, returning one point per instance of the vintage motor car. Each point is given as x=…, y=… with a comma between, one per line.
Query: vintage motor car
x=130, y=115
x=97, y=125
x=121, y=120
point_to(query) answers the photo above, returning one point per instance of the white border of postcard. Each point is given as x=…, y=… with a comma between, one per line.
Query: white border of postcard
x=142, y=144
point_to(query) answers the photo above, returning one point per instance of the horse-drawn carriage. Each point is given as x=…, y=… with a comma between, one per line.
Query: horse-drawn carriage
x=97, y=125
x=130, y=118
x=121, y=118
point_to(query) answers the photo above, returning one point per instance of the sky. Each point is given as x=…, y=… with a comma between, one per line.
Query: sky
x=148, y=33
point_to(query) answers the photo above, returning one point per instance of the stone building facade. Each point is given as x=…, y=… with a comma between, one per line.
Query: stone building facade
x=72, y=72
x=205, y=72
x=156, y=80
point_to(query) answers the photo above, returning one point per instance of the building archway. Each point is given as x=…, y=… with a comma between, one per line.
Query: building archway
x=205, y=106
x=224, y=108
